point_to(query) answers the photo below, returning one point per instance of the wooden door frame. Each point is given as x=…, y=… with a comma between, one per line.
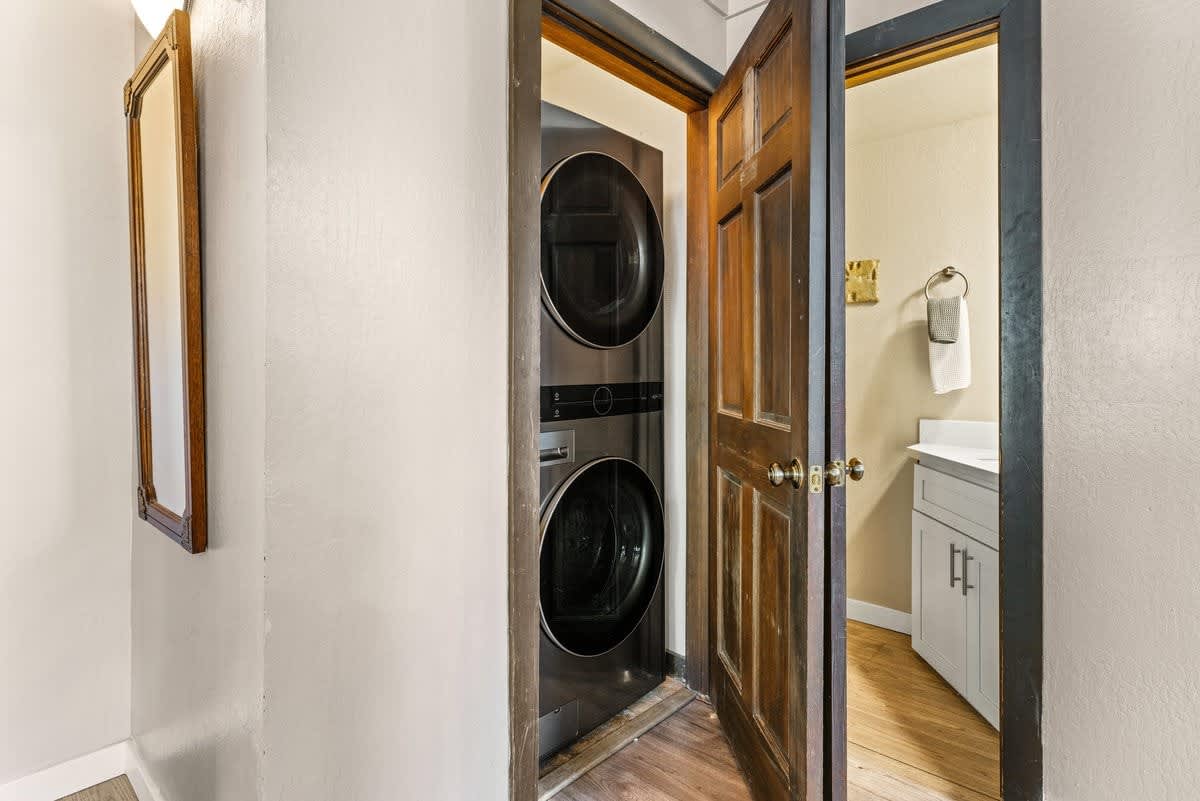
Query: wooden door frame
x=1018, y=26
x=605, y=35
x=602, y=33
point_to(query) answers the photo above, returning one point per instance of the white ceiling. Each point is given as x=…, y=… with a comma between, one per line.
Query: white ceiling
x=948, y=91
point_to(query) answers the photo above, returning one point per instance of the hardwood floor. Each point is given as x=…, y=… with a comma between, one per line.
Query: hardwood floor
x=118, y=789
x=616, y=735
x=912, y=738
x=684, y=758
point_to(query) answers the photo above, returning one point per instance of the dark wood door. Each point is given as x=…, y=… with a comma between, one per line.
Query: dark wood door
x=769, y=198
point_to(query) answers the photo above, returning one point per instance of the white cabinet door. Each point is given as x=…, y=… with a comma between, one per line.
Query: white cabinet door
x=983, y=631
x=939, y=611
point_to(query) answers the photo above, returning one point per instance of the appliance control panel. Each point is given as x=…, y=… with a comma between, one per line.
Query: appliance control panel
x=582, y=401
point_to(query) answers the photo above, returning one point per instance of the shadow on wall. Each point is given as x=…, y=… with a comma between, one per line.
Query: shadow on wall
x=891, y=395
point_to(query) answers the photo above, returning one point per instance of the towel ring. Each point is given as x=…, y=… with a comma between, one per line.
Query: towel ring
x=948, y=273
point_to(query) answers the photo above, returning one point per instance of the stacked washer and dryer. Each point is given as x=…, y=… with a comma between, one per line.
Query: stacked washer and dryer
x=601, y=440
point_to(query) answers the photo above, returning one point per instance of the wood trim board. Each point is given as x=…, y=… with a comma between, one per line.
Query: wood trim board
x=616, y=41
x=836, y=588
x=697, y=404
x=612, y=742
x=1021, y=435
x=524, y=259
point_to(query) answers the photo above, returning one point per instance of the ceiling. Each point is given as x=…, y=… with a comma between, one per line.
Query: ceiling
x=941, y=93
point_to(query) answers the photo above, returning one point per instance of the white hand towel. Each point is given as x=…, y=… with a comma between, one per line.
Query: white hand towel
x=950, y=364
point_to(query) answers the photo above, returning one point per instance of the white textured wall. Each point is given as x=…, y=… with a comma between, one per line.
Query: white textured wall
x=198, y=620
x=697, y=26
x=65, y=428
x=742, y=16
x=573, y=83
x=859, y=14
x=917, y=201
x=387, y=360
x=1122, y=271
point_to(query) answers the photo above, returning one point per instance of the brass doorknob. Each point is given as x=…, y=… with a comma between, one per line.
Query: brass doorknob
x=856, y=469
x=794, y=472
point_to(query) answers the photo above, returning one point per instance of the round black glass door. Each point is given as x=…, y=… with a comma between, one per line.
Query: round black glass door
x=602, y=251
x=602, y=554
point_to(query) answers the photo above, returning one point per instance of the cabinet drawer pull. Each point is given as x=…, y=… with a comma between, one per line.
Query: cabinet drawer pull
x=954, y=552
x=966, y=558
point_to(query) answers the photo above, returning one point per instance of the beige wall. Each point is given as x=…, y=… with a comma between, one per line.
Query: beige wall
x=198, y=620
x=66, y=454
x=572, y=83
x=387, y=402
x=917, y=198
x=1122, y=287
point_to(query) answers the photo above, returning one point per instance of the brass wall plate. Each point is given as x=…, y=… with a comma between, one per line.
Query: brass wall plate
x=862, y=281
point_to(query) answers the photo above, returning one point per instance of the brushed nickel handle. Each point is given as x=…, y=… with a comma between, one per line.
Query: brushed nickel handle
x=954, y=552
x=550, y=454
x=856, y=469
x=965, y=559
x=794, y=472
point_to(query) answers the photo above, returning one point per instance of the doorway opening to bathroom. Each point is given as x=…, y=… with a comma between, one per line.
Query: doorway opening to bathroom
x=922, y=411
x=941, y=546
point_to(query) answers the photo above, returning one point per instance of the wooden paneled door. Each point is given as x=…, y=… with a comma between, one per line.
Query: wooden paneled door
x=769, y=194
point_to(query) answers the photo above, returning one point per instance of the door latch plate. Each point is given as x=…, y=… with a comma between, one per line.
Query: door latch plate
x=816, y=479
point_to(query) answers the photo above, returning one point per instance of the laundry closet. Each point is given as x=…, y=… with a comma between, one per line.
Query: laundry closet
x=611, y=403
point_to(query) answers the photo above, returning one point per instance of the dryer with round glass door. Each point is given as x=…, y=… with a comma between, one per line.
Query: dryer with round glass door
x=602, y=254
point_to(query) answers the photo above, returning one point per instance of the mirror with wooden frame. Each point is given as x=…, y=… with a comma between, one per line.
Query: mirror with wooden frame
x=165, y=257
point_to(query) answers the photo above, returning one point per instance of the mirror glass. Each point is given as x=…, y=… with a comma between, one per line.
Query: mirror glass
x=164, y=296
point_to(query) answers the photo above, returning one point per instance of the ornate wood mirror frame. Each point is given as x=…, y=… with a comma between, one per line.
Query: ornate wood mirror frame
x=168, y=348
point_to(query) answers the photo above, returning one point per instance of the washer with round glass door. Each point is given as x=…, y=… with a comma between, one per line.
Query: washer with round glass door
x=601, y=567
x=601, y=441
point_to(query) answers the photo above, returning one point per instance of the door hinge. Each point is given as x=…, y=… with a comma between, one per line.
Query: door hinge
x=816, y=479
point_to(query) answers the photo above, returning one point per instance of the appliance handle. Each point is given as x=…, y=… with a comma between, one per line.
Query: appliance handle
x=550, y=454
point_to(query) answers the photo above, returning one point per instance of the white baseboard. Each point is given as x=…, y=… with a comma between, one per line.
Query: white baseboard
x=139, y=777
x=880, y=616
x=83, y=772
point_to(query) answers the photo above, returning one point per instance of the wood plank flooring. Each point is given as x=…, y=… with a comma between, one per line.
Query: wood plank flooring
x=684, y=758
x=118, y=789
x=598, y=749
x=648, y=701
x=912, y=738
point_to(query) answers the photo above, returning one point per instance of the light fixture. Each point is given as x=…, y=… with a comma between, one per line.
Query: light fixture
x=154, y=13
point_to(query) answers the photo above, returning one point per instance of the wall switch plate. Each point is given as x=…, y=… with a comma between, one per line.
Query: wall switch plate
x=862, y=281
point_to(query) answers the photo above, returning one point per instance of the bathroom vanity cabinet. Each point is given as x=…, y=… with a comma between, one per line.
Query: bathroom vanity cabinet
x=956, y=570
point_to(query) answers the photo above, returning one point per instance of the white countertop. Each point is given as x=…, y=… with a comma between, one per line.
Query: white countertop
x=967, y=449
x=977, y=465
